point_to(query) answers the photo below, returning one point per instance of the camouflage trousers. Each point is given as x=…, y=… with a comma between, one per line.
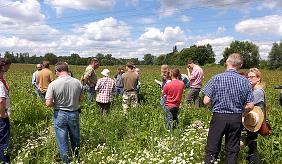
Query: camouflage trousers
x=129, y=99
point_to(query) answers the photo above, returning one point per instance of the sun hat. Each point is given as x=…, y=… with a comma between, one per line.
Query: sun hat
x=253, y=119
x=105, y=72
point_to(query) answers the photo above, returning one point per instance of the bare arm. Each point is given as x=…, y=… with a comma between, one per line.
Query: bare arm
x=49, y=103
x=207, y=100
x=3, y=113
x=81, y=97
x=249, y=106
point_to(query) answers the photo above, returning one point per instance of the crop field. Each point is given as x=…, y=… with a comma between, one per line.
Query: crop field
x=139, y=137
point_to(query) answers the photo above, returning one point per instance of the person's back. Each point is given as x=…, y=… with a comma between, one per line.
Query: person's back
x=44, y=78
x=129, y=81
x=174, y=90
x=67, y=91
x=229, y=92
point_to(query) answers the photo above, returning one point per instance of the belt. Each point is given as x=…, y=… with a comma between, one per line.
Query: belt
x=65, y=110
x=131, y=90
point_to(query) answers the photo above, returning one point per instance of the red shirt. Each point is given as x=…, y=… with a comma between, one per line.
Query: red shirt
x=173, y=91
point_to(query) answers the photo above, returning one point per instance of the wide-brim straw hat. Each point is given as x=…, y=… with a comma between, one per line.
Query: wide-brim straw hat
x=252, y=120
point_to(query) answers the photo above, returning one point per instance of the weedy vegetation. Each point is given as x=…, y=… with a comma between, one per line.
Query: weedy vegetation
x=139, y=137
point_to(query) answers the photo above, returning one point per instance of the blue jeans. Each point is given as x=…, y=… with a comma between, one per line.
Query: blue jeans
x=90, y=93
x=67, y=124
x=118, y=90
x=162, y=102
x=37, y=91
x=4, y=138
x=171, y=117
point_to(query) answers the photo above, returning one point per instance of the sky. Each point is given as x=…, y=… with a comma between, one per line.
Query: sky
x=133, y=28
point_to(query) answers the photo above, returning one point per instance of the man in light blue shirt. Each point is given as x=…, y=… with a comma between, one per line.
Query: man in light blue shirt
x=228, y=94
x=34, y=77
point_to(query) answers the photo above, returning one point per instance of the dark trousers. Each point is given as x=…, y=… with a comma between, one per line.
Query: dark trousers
x=4, y=139
x=230, y=126
x=251, y=141
x=193, y=95
x=104, y=107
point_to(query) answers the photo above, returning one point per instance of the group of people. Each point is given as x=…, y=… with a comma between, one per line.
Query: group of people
x=236, y=101
x=65, y=94
x=229, y=95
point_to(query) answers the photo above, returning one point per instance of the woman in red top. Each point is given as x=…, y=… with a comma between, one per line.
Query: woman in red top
x=173, y=91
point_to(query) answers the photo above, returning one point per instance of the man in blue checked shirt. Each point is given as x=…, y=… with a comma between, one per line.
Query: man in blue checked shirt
x=229, y=94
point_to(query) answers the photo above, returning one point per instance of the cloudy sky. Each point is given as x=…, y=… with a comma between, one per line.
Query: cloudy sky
x=132, y=28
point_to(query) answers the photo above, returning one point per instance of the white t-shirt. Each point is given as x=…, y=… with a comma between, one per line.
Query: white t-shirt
x=4, y=94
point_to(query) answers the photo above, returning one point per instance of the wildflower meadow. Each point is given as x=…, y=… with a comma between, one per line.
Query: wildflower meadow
x=138, y=137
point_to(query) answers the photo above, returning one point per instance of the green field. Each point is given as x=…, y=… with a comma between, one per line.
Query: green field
x=139, y=137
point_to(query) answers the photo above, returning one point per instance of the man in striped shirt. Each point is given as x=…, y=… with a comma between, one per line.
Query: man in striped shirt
x=229, y=94
x=196, y=78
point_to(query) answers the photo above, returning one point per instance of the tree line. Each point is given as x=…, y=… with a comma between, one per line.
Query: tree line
x=202, y=54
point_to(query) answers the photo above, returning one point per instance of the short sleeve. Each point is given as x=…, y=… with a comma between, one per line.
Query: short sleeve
x=50, y=92
x=258, y=95
x=250, y=95
x=3, y=92
x=88, y=72
x=208, y=90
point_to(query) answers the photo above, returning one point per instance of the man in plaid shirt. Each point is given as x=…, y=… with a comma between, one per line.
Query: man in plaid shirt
x=104, y=88
x=229, y=94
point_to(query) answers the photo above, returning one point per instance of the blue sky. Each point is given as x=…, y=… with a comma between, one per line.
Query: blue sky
x=132, y=28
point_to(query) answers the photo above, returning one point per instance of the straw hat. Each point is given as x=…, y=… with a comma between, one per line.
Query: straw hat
x=253, y=119
x=105, y=72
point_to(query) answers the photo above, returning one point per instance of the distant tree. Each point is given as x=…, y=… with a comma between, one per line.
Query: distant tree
x=74, y=59
x=202, y=54
x=148, y=59
x=174, y=49
x=160, y=60
x=10, y=56
x=52, y=58
x=275, y=56
x=248, y=50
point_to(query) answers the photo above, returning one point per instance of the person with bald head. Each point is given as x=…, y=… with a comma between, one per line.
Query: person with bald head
x=34, y=77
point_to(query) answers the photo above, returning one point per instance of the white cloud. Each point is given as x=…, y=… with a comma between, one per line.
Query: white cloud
x=170, y=7
x=27, y=11
x=157, y=42
x=153, y=34
x=220, y=30
x=264, y=48
x=60, y=5
x=23, y=45
x=270, y=4
x=25, y=20
x=185, y=19
x=108, y=29
x=218, y=45
x=268, y=25
x=170, y=34
x=147, y=20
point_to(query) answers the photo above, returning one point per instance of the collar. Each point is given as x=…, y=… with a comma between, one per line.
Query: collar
x=62, y=76
x=231, y=70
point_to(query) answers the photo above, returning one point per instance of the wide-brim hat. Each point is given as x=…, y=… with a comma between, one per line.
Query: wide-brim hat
x=105, y=72
x=252, y=120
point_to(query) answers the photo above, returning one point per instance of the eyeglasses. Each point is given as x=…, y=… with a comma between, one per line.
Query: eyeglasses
x=250, y=77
